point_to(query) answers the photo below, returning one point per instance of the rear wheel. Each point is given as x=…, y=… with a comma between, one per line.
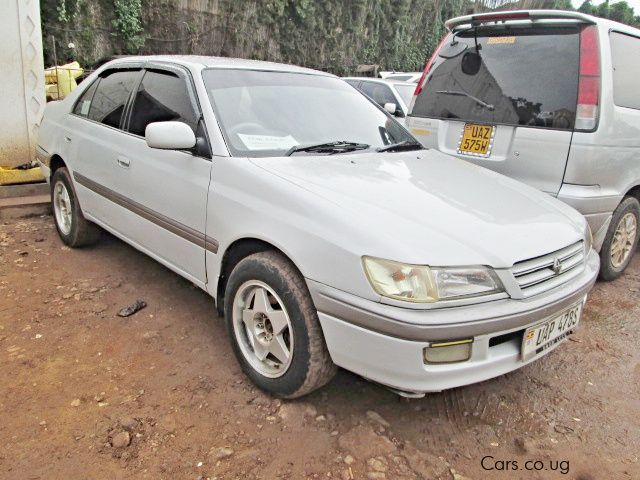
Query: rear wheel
x=273, y=327
x=73, y=228
x=621, y=241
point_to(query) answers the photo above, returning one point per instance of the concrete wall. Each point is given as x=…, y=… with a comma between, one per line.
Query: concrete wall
x=22, y=89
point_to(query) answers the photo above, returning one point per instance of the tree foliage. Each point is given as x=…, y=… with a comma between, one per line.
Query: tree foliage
x=619, y=11
x=334, y=35
x=128, y=22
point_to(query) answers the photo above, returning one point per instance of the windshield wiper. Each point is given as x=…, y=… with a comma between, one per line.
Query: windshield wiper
x=486, y=105
x=339, y=146
x=403, y=145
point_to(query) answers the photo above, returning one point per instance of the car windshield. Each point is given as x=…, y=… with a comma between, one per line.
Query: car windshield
x=521, y=76
x=405, y=91
x=266, y=114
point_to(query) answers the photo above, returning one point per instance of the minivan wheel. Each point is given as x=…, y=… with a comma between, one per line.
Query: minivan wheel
x=273, y=327
x=73, y=228
x=621, y=241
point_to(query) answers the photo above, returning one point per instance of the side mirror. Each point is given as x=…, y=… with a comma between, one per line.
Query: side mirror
x=170, y=136
x=390, y=108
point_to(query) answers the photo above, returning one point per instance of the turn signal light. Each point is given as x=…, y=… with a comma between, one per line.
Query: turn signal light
x=448, y=352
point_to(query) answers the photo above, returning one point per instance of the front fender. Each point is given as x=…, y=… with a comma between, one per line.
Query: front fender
x=247, y=202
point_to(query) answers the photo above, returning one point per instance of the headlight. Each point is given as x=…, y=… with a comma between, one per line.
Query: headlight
x=422, y=284
x=588, y=240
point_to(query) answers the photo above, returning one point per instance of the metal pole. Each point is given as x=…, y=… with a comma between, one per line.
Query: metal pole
x=55, y=64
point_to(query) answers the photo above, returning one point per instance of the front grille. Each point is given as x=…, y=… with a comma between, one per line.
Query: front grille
x=538, y=274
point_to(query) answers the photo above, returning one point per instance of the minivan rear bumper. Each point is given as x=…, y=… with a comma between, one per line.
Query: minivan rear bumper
x=596, y=206
x=386, y=343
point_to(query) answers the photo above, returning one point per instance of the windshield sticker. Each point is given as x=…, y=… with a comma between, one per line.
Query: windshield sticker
x=84, y=108
x=267, y=142
x=501, y=40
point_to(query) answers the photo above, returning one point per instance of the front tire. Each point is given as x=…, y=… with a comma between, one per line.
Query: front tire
x=73, y=228
x=621, y=240
x=274, y=328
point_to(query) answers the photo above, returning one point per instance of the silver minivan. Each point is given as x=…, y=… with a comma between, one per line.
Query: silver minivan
x=550, y=98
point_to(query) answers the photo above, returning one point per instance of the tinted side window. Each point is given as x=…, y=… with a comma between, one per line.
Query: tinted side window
x=625, y=51
x=111, y=97
x=162, y=97
x=84, y=102
x=380, y=93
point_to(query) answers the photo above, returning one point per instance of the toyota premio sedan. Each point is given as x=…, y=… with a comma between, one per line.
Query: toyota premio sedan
x=325, y=233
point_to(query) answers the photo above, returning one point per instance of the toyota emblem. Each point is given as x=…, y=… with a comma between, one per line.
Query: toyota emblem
x=557, y=266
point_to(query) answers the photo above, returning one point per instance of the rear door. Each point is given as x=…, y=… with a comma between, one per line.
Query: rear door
x=504, y=98
x=94, y=137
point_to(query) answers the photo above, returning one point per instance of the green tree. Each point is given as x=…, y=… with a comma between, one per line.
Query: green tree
x=587, y=7
x=622, y=12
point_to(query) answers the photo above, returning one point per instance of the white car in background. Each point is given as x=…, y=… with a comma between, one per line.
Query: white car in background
x=393, y=96
x=326, y=234
x=411, y=77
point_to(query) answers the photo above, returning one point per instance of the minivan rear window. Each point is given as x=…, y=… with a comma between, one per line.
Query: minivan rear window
x=519, y=76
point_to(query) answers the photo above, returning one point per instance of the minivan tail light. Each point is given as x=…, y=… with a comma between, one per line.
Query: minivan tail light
x=428, y=67
x=589, y=80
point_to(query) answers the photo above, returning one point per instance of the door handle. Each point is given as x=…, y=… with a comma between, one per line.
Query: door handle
x=67, y=139
x=124, y=162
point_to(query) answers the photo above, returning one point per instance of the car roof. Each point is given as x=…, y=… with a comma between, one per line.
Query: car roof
x=386, y=81
x=539, y=16
x=398, y=74
x=202, y=62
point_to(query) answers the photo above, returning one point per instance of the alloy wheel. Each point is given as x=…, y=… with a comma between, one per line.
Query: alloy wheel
x=263, y=329
x=62, y=207
x=624, y=240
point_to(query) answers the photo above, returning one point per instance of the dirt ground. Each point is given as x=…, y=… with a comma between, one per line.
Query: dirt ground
x=85, y=394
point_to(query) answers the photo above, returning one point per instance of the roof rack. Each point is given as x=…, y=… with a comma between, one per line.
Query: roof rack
x=504, y=16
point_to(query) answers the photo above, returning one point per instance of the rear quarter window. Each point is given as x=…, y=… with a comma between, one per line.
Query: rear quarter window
x=625, y=52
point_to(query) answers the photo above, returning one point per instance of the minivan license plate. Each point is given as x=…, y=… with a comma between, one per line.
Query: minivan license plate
x=476, y=140
x=544, y=335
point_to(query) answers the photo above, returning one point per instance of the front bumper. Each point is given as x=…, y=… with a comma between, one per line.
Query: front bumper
x=385, y=343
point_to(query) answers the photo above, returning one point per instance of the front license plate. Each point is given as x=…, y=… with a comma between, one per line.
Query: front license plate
x=476, y=140
x=539, y=338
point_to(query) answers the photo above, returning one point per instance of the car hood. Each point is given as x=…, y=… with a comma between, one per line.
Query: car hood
x=426, y=207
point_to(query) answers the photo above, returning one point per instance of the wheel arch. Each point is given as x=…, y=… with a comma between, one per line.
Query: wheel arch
x=633, y=192
x=56, y=163
x=234, y=254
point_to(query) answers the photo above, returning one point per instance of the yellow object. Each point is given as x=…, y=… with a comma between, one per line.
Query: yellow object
x=13, y=176
x=61, y=80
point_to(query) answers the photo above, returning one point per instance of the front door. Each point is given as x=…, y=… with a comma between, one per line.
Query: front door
x=166, y=190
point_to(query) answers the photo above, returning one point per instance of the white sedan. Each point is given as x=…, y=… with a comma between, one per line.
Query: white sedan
x=326, y=235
